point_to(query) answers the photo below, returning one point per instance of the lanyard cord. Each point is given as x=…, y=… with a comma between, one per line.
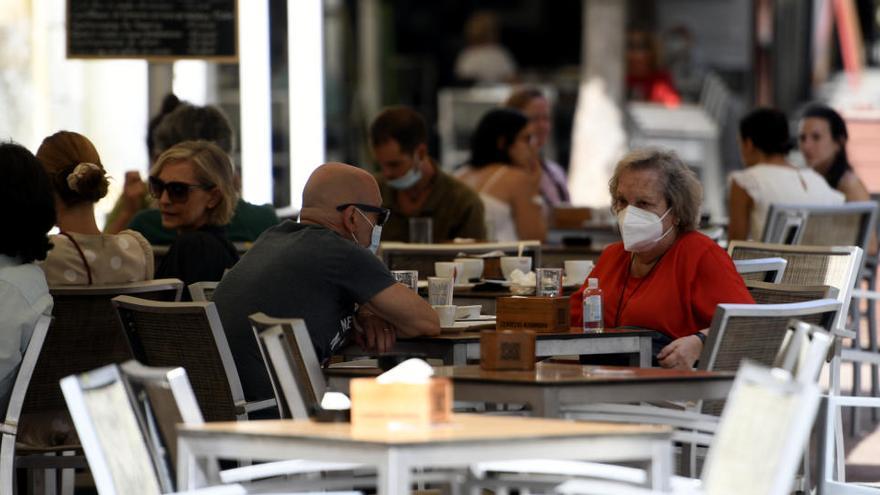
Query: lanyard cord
x=81, y=255
x=620, y=301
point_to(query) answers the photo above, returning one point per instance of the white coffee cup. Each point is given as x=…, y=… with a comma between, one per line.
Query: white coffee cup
x=511, y=263
x=446, y=313
x=473, y=268
x=576, y=271
x=450, y=269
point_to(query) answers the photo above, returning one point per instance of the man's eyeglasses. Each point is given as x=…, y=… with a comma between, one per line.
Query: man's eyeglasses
x=384, y=213
x=178, y=192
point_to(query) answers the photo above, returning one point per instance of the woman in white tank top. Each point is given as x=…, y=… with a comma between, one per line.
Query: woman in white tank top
x=505, y=171
x=768, y=177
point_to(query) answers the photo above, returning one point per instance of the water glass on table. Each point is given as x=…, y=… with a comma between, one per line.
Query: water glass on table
x=421, y=230
x=548, y=282
x=409, y=278
x=440, y=291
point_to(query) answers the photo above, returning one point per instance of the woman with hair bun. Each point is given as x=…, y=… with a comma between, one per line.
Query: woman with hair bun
x=764, y=142
x=82, y=254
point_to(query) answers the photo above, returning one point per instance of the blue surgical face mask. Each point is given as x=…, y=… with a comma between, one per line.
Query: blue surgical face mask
x=407, y=180
x=375, y=236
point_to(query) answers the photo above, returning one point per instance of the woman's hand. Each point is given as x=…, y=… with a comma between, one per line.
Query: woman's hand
x=681, y=353
x=133, y=191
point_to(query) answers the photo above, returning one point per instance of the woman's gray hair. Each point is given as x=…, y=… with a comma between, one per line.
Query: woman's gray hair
x=681, y=188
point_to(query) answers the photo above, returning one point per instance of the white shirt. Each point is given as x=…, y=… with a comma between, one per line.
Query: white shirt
x=768, y=184
x=24, y=296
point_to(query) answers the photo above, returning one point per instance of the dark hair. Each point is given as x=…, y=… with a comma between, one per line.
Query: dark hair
x=840, y=165
x=767, y=129
x=189, y=122
x=500, y=124
x=74, y=167
x=402, y=124
x=169, y=103
x=26, y=198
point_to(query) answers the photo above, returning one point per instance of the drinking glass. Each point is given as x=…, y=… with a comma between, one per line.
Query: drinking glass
x=548, y=282
x=421, y=230
x=440, y=291
x=409, y=278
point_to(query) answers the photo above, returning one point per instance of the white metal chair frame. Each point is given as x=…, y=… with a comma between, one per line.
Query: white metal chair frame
x=175, y=380
x=694, y=427
x=603, y=479
x=68, y=460
x=75, y=389
x=209, y=311
x=786, y=222
x=9, y=427
x=202, y=291
x=772, y=268
x=853, y=255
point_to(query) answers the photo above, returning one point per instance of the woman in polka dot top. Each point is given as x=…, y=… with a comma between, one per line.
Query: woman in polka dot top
x=82, y=255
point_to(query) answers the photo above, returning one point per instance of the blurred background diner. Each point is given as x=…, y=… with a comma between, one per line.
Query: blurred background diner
x=572, y=210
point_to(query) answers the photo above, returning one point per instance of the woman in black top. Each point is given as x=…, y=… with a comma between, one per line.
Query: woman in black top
x=193, y=184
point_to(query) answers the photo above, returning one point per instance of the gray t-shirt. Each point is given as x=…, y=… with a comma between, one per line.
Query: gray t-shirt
x=296, y=270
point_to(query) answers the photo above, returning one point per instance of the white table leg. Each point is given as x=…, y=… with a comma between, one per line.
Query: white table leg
x=660, y=471
x=394, y=474
x=192, y=472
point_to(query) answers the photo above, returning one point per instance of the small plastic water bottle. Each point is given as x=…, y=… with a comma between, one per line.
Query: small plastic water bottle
x=592, y=307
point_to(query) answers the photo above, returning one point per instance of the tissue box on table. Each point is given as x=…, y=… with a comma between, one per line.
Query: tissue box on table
x=375, y=404
x=540, y=314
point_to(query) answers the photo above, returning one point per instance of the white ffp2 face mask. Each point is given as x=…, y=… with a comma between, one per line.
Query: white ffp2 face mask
x=641, y=229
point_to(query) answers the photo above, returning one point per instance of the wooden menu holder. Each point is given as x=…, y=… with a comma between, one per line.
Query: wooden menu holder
x=570, y=217
x=507, y=350
x=539, y=314
x=374, y=404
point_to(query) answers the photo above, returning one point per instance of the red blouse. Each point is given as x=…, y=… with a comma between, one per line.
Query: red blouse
x=679, y=295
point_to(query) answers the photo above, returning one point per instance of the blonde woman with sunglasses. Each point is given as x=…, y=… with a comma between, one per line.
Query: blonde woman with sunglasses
x=81, y=254
x=192, y=183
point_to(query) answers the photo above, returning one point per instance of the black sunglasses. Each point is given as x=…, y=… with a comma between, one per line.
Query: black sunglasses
x=178, y=192
x=384, y=213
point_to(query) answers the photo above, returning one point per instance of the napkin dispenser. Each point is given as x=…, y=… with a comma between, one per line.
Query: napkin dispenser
x=539, y=314
x=376, y=405
x=507, y=350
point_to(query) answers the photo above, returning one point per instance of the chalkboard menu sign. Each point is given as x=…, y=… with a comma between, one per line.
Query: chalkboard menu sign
x=152, y=29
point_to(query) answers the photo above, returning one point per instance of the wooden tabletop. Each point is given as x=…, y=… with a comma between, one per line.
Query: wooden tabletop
x=546, y=373
x=574, y=333
x=462, y=428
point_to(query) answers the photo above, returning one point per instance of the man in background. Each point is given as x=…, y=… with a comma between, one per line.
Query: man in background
x=413, y=186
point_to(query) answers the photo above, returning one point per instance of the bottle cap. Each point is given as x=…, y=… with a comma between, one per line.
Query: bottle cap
x=593, y=283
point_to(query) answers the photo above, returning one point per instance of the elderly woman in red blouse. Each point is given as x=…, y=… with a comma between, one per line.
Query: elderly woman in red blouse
x=664, y=276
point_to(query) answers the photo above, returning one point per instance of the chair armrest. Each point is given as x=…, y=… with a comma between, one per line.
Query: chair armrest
x=628, y=413
x=680, y=486
x=283, y=468
x=562, y=468
x=243, y=407
x=216, y=490
x=865, y=294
